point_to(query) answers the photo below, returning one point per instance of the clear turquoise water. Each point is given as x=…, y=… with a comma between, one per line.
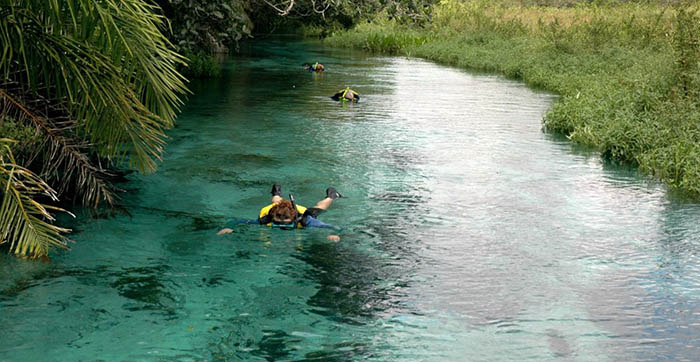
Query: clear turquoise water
x=468, y=233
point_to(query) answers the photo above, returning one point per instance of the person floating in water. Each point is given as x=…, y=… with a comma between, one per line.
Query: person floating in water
x=317, y=67
x=346, y=94
x=286, y=214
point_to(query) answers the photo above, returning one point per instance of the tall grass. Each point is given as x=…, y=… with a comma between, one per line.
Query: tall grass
x=201, y=65
x=628, y=73
x=381, y=36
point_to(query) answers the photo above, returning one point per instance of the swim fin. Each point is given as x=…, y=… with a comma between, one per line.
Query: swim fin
x=333, y=193
x=276, y=190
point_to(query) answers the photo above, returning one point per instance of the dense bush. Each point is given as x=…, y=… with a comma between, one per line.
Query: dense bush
x=206, y=26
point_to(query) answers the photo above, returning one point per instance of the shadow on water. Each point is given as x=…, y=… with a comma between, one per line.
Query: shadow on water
x=353, y=290
x=671, y=284
x=144, y=288
x=278, y=345
x=275, y=345
x=213, y=172
x=353, y=287
x=356, y=288
x=19, y=286
x=195, y=221
x=341, y=352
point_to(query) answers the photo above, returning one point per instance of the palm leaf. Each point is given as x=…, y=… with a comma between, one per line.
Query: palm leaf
x=64, y=158
x=92, y=77
x=24, y=222
x=110, y=63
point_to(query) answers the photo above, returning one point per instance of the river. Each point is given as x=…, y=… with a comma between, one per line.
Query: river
x=467, y=233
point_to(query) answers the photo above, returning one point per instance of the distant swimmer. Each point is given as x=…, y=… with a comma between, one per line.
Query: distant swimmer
x=316, y=67
x=346, y=94
x=287, y=215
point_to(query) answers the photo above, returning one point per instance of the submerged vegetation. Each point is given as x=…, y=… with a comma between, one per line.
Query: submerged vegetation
x=628, y=73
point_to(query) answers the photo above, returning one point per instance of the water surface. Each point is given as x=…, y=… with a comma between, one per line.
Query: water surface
x=468, y=233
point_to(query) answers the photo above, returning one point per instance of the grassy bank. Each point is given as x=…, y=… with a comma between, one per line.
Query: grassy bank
x=628, y=74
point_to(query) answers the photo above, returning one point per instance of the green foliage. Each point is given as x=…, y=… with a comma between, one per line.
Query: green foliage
x=393, y=42
x=109, y=69
x=313, y=31
x=328, y=16
x=26, y=138
x=202, y=29
x=209, y=26
x=95, y=80
x=627, y=73
x=201, y=65
x=384, y=36
x=686, y=46
x=318, y=31
x=24, y=221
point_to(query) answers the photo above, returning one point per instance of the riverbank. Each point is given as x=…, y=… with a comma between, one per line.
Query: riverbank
x=627, y=75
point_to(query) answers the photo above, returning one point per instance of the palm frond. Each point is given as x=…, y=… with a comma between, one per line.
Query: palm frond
x=64, y=157
x=24, y=222
x=93, y=77
x=108, y=60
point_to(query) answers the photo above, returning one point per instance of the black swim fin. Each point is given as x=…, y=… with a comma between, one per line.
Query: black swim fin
x=276, y=190
x=333, y=193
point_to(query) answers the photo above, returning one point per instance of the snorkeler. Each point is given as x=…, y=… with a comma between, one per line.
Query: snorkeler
x=346, y=94
x=287, y=215
x=317, y=67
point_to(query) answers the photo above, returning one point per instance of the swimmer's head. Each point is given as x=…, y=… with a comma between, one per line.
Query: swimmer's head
x=283, y=212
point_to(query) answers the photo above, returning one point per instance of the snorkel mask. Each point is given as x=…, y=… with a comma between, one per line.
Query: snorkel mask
x=290, y=226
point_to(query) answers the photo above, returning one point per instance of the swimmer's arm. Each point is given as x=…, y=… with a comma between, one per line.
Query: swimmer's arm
x=224, y=231
x=333, y=237
x=228, y=228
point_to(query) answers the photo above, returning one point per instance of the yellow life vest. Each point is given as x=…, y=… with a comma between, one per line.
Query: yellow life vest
x=266, y=210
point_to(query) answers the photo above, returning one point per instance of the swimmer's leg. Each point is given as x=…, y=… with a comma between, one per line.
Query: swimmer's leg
x=331, y=194
x=276, y=193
